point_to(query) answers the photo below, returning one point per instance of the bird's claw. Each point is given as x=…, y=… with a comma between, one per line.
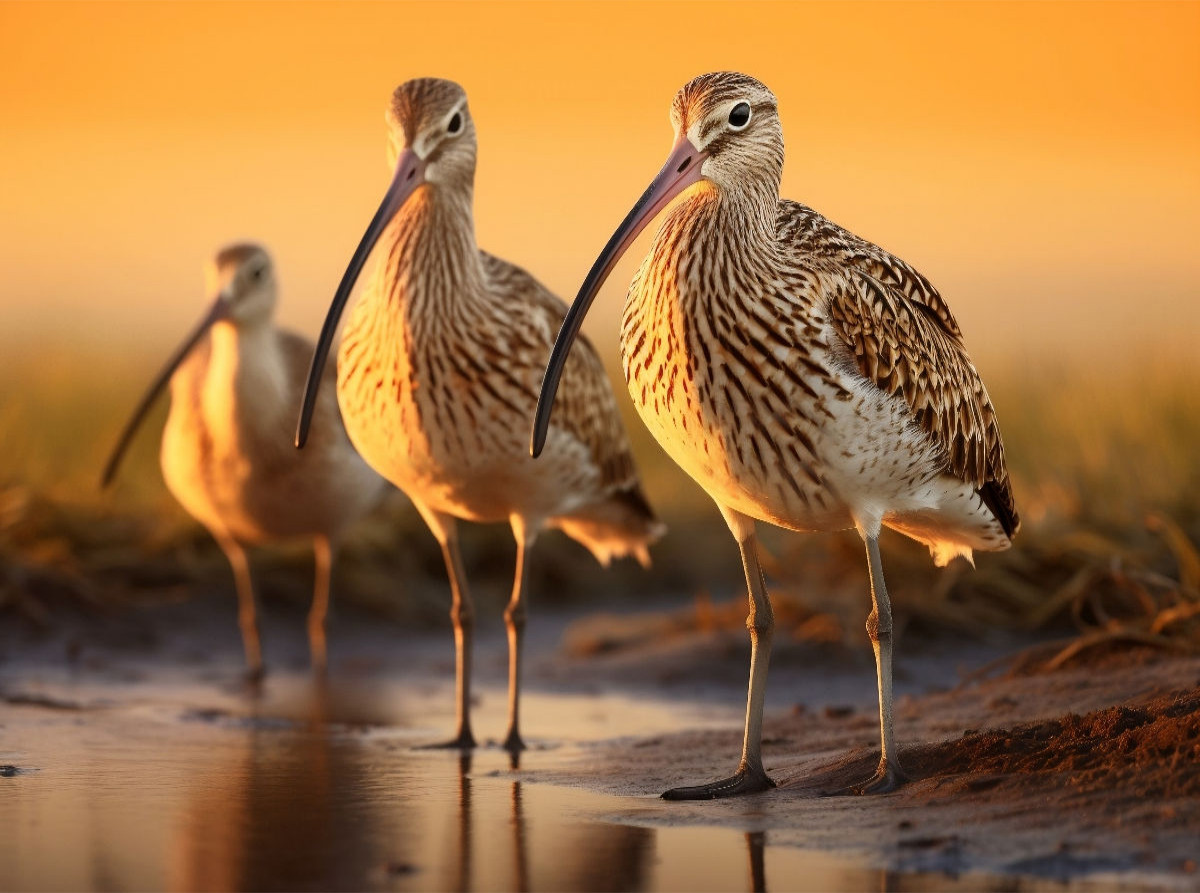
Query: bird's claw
x=464, y=740
x=887, y=778
x=745, y=781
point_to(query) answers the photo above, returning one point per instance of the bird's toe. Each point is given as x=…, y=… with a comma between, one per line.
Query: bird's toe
x=745, y=781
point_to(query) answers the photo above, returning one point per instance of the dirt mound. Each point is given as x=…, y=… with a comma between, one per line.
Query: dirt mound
x=1149, y=747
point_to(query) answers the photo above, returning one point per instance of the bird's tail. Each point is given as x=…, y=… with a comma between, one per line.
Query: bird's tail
x=623, y=524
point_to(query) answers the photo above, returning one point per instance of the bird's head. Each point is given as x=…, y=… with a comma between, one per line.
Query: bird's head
x=241, y=279
x=241, y=284
x=429, y=118
x=728, y=124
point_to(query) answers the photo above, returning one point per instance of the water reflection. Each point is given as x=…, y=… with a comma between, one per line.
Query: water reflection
x=571, y=855
x=521, y=876
x=315, y=805
x=274, y=810
x=310, y=788
x=462, y=864
x=754, y=846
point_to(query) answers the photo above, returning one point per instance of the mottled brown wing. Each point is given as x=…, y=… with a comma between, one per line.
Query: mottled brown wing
x=819, y=237
x=905, y=339
x=585, y=406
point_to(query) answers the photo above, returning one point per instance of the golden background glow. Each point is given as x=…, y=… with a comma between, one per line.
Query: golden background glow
x=1039, y=162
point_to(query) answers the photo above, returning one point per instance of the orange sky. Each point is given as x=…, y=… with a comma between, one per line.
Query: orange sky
x=1039, y=162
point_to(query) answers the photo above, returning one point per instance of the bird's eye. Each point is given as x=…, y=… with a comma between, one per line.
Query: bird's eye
x=739, y=115
x=455, y=124
x=257, y=273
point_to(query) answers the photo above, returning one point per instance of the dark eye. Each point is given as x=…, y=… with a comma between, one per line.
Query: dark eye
x=257, y=273
x=455, y=124
x=739, y=115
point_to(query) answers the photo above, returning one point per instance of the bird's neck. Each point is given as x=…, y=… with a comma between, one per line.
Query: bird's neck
x=245, y=372
x=711, y=241
x=431, y=265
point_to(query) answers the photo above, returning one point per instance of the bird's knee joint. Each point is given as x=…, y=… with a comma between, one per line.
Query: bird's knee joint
x=514, y=615
x=760, y=624
x=462, y=616
x=879, y=626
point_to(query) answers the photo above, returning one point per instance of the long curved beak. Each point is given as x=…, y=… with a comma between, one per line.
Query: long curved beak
x=681, y=170
x=218, y=311
x=410, y=173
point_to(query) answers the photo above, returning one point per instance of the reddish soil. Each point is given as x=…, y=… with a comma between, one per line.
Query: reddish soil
x=1088, y=774
x=1146, y=748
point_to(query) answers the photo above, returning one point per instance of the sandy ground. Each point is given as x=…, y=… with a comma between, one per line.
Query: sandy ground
x=1088, y=775
x=1091, y=772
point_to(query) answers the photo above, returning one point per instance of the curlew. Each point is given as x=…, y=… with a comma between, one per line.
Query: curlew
x=438, y=373
x=802, y=375
x=225, y=454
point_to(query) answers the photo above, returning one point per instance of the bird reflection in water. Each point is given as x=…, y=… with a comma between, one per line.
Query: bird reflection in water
x=282, y=816
x=301, y=797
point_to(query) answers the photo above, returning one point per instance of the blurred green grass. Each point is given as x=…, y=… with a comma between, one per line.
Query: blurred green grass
x=1102, y=452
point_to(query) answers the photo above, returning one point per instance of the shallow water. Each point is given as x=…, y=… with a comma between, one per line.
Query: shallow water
x=185, y=786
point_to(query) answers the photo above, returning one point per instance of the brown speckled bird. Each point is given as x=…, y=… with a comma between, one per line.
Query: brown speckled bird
x=802, y=375
x=438, y=374
x=225, y=453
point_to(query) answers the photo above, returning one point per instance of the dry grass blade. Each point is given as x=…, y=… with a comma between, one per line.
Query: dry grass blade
x=1172, y=616
x=1186, y=555
x=1108, y=637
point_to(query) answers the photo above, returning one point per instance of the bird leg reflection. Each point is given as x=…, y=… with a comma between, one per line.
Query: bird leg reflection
x=754, y=846
x=463, y=879
x=520, y=851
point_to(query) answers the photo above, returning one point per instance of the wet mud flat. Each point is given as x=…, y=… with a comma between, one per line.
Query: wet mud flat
x=133, y=756
x=1083, y=776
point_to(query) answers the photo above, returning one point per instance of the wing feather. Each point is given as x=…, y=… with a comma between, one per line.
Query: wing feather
x=586, y=406
x=904, y=338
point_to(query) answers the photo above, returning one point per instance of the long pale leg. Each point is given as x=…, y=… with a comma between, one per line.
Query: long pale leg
x=462, y=614
x=247, y=613
x=323, y=564
x=889, y=775
x=514, y=622
x=750, y=776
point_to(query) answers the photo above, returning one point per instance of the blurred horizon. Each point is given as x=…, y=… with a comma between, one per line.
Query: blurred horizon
x=1039, y=162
